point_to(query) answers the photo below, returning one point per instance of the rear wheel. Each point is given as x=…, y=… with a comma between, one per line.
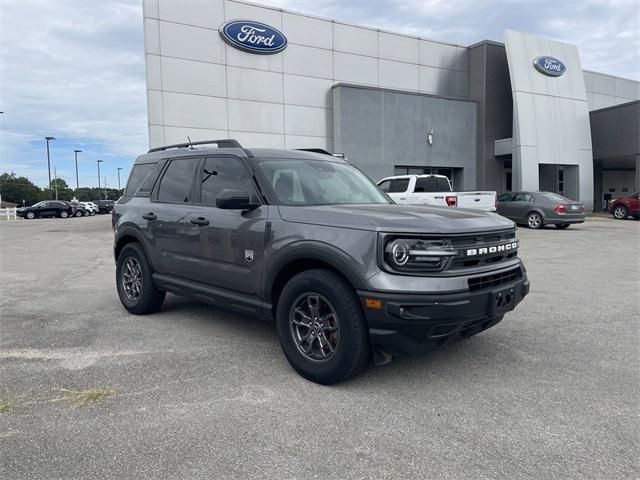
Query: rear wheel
x=64, y=214
x=534, y=220
x=620, y=212
x=562, y=226
x=134, y=279
x=78, y=213
x=321, y=327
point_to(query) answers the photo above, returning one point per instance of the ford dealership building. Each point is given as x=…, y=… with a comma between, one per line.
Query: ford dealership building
x=491, y=116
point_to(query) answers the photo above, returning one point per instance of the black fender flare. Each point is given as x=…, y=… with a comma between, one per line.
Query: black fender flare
x=131, y=231
x=311, y=250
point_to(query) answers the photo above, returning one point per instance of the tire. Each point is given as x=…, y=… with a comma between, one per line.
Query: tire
x=78, y=213
x=620, y=212
x=30, y=215
x=562, y=226
x=143, y=297
x=92, y=213
x=535, y=220
x=86, y=213
x=64, y=214
x=340, y=344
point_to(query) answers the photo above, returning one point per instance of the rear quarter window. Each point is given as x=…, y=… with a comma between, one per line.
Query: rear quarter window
x=142, y=179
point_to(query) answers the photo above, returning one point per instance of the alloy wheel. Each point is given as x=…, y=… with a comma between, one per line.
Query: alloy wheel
x=620, y=213
x=314, y=327
x=534, y=220
x=132, y=278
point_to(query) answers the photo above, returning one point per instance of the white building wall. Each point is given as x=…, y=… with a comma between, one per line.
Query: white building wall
x=606, y=90
x=198, y=86
x=550, y=114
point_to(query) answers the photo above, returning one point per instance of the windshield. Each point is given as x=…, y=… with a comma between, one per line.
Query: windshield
x=317, y=182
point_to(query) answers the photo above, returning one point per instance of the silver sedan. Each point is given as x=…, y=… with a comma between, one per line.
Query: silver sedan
x=536, y=209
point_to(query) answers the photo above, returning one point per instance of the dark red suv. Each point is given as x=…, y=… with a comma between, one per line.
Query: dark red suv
x=622, y=207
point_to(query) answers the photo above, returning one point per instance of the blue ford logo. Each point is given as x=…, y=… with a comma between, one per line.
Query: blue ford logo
x=254, y=37
x=549, y=66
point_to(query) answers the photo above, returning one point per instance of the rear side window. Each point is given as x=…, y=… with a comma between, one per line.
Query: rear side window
x=432, y=184
x=138, y=174
x=399, y=185
x=176, y=185
x=220, y=173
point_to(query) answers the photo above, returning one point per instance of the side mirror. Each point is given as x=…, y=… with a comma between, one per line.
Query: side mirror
x=229, y=199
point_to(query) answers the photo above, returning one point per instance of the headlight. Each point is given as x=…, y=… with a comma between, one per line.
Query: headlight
x=418, y=255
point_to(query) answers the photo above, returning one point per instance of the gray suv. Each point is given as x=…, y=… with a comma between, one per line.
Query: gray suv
x=306, y=239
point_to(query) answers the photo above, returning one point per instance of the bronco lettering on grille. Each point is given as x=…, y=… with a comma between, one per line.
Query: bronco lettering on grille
x=472, y=252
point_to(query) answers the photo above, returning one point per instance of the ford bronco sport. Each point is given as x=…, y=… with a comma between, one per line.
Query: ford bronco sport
x=306, y=239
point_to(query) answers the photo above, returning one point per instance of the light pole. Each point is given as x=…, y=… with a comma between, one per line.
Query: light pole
x=49, y=162
x=55, y=181
x=119, y=168
x=99, y=162
x=105, y=187
x=77, y=181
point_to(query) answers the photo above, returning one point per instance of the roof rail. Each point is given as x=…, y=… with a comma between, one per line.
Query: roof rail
x=322, y=151
x=225, y=143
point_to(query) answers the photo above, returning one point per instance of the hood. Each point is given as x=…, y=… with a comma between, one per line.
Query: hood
x=397, y=218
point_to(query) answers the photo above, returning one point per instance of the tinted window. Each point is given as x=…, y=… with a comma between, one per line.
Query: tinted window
x=138, y=174
x=399, y=185
x=384, y=186
x=522, y=197
x=505, y=197
x=177, y=181
x=221, y=173
x=432, y=184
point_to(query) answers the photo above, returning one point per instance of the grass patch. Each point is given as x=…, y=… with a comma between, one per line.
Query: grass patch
x=87, y=396
x=8, y=404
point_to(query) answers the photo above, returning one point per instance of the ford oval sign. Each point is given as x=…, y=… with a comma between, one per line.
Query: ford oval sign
x=549, y=66
x=254, y=37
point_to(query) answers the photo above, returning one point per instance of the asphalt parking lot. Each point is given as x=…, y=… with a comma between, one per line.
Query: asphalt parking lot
x=198, y=392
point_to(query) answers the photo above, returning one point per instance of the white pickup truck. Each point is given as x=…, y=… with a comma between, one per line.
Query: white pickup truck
x=434, y=190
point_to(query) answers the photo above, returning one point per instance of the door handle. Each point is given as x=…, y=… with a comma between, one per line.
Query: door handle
x=199, y=221
x=403, y=198
x=149, y=216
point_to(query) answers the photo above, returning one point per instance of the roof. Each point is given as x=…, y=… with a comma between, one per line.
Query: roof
x=259, y=153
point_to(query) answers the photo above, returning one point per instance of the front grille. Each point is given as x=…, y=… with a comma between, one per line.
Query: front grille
x=478, y=241
x=494, y=279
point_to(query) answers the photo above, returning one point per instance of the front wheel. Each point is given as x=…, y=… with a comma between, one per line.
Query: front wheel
x=620, y=212
x=321, y=327
x=30, y=215
x=534, y=220
x=562, y=226
x=134, y=279
x=92, y=213
x=78, y=213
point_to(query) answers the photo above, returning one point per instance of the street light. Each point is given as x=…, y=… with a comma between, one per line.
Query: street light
x=77, y=181
x=49, y=162
x=99, y=162
x=119, y=168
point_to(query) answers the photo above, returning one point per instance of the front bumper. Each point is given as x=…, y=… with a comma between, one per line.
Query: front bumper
x=410, y=324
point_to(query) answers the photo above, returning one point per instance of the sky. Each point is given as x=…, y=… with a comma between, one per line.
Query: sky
x=74, y=70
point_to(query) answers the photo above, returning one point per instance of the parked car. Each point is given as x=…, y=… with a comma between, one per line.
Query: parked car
x=79, y=210
x=91, y=207
x=536, y=209
x=623, y=207
x=47, y=208
x=104, y=206
x=434, y=190
x=308, y=240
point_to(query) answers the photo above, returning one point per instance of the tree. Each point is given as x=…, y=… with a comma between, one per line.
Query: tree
x=85, y=194
x=64, y=192
x=19, y=189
